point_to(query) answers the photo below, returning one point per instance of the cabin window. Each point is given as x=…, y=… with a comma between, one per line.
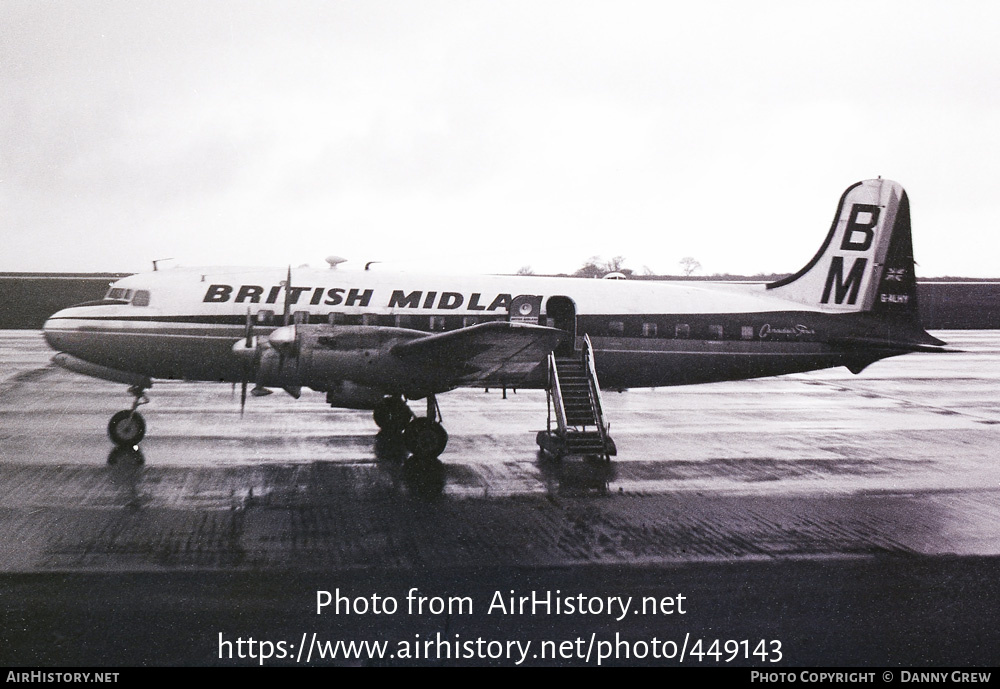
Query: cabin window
x=437, y=323
x=715, y=332
x=141, y=297
x=682, y=331
x=369, y=319
x=300, y=317
x=746, y=332
x=265, y=317
x=616, y=328
x=550, y=322
x=469, y=320
x=115, y=293
x=649, y=329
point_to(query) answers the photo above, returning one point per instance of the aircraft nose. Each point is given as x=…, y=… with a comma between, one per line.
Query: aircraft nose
x=51, y=330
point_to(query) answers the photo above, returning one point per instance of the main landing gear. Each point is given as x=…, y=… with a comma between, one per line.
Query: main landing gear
x=391, y=414
x=424, y=436
x=127, y=427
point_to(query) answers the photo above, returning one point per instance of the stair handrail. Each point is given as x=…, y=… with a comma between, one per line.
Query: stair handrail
x=557, y=398
x=595, y=388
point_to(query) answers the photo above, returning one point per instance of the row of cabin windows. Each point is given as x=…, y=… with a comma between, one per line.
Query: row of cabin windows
x=138, y=297
x=268, y=317
x=682, y=331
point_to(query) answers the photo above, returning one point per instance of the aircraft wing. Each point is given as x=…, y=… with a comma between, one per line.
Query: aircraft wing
x=496, y=351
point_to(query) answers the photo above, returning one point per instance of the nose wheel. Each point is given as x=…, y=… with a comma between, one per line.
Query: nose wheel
x=127, y=427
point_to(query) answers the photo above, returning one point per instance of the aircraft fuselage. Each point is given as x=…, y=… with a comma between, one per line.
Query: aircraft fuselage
x=645, y=333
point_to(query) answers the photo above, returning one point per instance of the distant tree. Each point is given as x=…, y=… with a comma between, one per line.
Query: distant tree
x=689, y=265
x=525, y=270
x=592, y=268
x=615, y=265
x=597, y=267
x=646, y=270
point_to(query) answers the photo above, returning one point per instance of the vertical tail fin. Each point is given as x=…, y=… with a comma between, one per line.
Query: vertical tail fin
x=866, y=261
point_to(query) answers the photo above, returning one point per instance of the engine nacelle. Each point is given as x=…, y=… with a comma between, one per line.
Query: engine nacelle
x=354, y=363
x=348, y=395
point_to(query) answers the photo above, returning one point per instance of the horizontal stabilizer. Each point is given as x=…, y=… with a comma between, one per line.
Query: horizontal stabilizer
x=876, y=343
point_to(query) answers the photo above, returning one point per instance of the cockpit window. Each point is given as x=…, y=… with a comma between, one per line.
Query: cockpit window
x=139, y=297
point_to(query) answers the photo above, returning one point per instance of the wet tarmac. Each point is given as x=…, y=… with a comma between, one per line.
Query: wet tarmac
x=854, y=518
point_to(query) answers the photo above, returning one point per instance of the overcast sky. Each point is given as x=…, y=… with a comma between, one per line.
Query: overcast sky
x=486, y=136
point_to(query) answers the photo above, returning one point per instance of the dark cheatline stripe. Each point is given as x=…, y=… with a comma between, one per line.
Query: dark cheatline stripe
x=694, y=326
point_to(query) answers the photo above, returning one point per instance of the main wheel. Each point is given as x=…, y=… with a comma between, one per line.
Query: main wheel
x=127, y=428
x=424, y=437
x=391, y=414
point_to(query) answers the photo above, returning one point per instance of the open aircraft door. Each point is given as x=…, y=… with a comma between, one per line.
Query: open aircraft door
x=560, y=312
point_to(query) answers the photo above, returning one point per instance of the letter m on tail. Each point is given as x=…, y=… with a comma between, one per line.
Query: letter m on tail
x=838, y=286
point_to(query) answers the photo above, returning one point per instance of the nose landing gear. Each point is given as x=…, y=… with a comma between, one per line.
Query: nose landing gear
x=127, y=427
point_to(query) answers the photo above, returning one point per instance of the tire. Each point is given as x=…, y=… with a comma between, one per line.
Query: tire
x=126, y=428
x=425, y=438
x=391, y=414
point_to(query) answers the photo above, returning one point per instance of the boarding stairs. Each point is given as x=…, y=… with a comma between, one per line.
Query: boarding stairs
x=576, y=423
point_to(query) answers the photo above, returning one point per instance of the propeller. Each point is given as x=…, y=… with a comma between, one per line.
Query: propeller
x=288, y=296
x=285, y=339
x=248, y=361
x=249, y=353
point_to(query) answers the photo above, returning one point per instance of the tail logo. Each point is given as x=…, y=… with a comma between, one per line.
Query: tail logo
x=866, y=260
x=858, y=236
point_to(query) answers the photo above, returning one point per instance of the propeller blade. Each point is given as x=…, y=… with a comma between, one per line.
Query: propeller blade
x=288, y=296
x=288, y=313
x=247, y=366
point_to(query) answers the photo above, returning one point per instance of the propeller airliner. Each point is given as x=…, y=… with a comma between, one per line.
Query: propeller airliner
x=378, y=340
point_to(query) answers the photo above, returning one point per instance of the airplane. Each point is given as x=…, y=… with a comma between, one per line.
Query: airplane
x=375, y=340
